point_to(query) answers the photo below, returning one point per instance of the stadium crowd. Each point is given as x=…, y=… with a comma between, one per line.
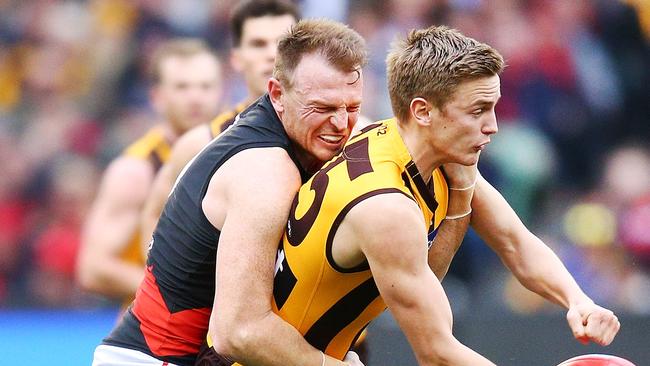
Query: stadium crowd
x=571, y=156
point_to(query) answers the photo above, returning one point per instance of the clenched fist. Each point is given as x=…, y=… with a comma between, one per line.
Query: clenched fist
x=590, y=322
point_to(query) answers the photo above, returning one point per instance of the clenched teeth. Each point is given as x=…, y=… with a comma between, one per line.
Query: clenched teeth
x=331, y=139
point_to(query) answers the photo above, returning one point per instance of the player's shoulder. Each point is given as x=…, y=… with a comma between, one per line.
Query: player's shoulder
x=262, y=169
x=127, y=178
x=265, y=161
x=385, y=205
x=147, y=143
x=194, y=139
x=366, y=125
x=222, y=121
x=130, y=169
x=391, y=216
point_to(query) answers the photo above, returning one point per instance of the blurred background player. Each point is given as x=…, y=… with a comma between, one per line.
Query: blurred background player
x=256, y=26
x=187, y=87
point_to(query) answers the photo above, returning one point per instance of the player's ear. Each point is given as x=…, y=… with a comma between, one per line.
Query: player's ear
x=420, y=110
x=275, y=93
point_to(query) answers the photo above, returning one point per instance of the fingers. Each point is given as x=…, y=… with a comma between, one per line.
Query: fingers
x=577, y=325
x=602, y=326
x=593, y=323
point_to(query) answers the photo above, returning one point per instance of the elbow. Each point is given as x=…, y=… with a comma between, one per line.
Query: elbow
x=87, y=277
x=443, y=352
x=231, y=339
x=89, y=274
x=441, y=355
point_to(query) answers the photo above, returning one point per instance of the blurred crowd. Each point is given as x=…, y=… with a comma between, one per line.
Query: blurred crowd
x=572, y=155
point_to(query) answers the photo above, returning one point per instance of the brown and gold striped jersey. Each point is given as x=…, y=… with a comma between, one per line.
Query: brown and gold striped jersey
x=155, y=148
x=328, y=304
x=221, y=122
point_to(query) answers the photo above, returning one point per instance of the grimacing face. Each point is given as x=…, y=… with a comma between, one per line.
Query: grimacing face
x=189, y=90
x=254, y=58
x=463, y=127
x=321, y=108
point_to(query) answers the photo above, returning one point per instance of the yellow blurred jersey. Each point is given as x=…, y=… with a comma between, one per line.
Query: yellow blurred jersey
x=224, y=120
x=156, y=149
x=328, y=304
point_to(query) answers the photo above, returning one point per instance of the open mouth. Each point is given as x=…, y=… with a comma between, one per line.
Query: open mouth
x=331, y=139
x=481, y=146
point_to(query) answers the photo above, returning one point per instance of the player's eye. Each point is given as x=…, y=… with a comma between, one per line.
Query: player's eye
x=258, y=43
x=324, y=109
x=181, y=86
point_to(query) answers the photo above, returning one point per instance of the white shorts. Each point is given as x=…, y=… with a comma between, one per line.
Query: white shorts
x=118, y=356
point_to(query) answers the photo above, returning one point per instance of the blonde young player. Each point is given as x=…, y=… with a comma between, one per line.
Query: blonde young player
x=359, y=231
x=256, y=26
x=186, y=91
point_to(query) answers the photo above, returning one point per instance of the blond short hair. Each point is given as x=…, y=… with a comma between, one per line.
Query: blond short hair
x=430, y=63
x=343, y=48
x=178, y=47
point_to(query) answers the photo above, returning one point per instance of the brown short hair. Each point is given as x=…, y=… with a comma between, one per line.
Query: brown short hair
x=249, y=9
x=178, y=47
x=430, y=63
x=341, y=46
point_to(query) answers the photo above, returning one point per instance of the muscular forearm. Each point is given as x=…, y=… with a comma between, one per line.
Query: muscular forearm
x=426, y=320
x=434, y=348
x=456, y=353
x=541, y=271
x=530, y=260
x=451, y=232
x=267, y=341
x=446, y=244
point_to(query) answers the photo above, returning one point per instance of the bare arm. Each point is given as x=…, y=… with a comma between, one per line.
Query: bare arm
x=395, y=247
x=536, y=266
x=461, y=180
x=258, y=198
x=446, y=243
x=109, y=228
x=185, y=148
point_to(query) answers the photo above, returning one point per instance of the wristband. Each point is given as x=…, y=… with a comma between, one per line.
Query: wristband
x=466, y=188
x=323, y=357
x=454, y=217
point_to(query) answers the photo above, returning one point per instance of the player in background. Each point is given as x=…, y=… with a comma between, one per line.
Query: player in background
x=256, y=27
x=186, y=90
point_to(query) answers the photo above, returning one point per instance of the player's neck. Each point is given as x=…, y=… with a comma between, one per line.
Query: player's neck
x=423, y=154
x=171, y=132
x=307, y=161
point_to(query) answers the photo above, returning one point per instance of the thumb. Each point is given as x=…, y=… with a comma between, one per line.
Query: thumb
x=577, y=324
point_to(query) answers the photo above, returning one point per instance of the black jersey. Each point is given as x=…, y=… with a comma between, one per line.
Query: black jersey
x=170, y=314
